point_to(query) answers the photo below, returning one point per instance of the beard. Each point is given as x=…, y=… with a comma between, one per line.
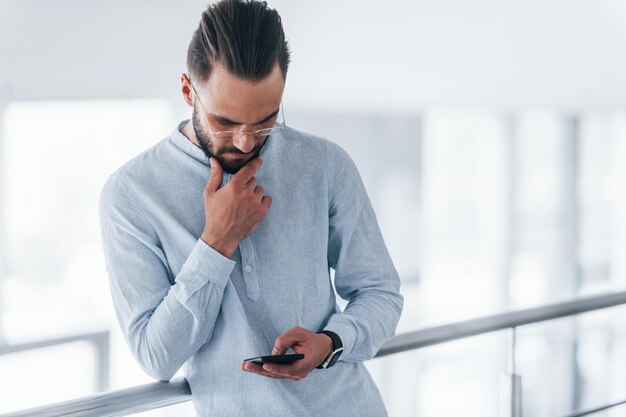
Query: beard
x=210, y=150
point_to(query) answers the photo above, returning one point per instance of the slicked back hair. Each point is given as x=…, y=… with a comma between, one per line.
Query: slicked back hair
x=244, y=36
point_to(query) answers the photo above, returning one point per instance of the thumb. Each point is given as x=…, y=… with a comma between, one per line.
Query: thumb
x=285, y=341
x=215, y=180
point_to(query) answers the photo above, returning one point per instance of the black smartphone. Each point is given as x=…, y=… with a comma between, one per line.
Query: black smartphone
x=290, y=358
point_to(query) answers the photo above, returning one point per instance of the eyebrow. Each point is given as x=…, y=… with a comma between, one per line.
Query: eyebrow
x=227, y=121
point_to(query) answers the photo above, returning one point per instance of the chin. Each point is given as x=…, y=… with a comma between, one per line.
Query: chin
x=232, y=166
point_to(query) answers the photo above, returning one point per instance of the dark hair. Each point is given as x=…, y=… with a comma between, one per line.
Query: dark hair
x=245, y=36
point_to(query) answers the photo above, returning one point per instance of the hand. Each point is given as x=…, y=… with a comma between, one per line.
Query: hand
x=315, y=346
x=234, y=211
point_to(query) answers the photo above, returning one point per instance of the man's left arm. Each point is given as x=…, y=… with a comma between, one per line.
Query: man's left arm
x=364, y=273
x=364, y=276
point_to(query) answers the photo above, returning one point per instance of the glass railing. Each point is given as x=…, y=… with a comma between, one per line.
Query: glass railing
x=164, y=393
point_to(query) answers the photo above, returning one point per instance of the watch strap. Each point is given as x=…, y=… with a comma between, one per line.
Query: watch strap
x=337, y=349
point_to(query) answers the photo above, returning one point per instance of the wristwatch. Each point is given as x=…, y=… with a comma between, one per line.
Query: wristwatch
x=337, y=349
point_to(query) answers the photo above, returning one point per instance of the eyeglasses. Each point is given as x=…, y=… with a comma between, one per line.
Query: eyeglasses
x=234, y=134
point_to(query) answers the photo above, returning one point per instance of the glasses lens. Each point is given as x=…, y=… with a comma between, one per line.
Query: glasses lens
x=231, y=134
x=226, y=134
x=265, y=132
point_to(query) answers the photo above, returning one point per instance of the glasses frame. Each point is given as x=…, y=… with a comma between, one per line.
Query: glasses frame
x=236, y=134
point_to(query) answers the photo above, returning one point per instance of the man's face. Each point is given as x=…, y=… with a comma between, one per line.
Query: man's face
x=229, y=103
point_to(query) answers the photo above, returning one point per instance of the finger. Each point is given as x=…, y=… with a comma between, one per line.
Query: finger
x=215, y=180
x=287, y=339
x=285, y=371
x=258, y=369
x=247, y=172
x=252, y=183
x=266, y=201
x=259, y=191
x=267, y=374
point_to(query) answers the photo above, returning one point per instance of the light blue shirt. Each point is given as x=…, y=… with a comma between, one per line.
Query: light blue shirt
x=180, y=302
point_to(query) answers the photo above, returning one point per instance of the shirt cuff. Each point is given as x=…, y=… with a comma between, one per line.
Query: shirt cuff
x=204, y=264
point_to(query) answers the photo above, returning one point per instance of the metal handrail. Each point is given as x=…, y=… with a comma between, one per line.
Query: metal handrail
x=473, y=327
x=83, y=337
x=120, y=402
x=597, y=409
x=100, y=340
x=159, y=394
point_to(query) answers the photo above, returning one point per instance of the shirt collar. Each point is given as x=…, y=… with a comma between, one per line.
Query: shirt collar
x=182, y=142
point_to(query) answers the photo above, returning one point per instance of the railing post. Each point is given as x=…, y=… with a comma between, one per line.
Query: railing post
x=102, y=343
x=4, y=99
x=511, y=386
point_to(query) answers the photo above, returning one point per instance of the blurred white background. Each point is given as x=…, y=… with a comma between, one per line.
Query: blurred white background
x=491, y=136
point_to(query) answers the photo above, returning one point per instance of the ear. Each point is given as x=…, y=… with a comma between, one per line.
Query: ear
x=185, y=87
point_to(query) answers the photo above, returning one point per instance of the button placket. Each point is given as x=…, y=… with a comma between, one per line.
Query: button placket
x=250, y=278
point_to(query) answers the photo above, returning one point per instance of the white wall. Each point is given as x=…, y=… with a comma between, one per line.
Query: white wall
x=356, y=55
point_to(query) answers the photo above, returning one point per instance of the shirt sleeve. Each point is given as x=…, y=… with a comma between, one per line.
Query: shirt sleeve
x=163, y=324
x=364, y=273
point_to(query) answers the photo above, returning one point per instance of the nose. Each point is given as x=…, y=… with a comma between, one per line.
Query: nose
x=245, y=143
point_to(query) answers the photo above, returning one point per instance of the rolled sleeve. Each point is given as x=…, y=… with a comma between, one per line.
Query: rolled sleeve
x=203, y=265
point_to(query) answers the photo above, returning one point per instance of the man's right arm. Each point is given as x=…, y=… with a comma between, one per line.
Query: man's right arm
x=163, y=324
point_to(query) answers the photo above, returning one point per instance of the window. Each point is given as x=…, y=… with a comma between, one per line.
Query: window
x=56, y=157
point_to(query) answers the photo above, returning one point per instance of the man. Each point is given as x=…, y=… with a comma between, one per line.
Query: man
x=219, y=241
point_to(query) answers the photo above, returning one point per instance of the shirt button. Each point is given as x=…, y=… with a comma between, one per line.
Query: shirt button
x=248, y=268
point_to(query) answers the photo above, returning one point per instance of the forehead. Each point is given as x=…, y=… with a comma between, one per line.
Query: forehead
x=228, y=96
